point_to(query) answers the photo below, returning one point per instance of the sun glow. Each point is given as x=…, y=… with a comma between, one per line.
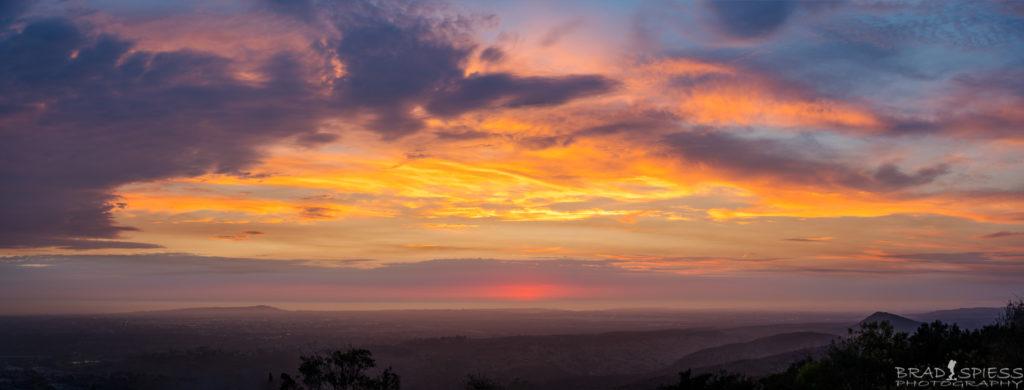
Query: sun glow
x=527, y=292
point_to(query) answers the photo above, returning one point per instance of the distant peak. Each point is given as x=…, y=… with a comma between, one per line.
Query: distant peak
x=262, y=307
x=899, y=323
x=220, y=310
x=885, y=316
x=236, y=308
x=882, y=314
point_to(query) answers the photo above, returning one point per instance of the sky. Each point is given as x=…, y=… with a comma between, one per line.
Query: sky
x=789, y=155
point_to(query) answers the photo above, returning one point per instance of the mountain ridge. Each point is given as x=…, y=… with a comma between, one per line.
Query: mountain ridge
x=899, y=323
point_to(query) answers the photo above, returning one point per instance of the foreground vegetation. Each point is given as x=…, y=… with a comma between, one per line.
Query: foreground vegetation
x=867, y=359
x=340, y=371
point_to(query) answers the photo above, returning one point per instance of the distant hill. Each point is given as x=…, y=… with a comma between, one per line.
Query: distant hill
x=769, y=364
x=762, y=356
x=235, y=311
x=899, y=323
x=759, y=348
x=968, y=318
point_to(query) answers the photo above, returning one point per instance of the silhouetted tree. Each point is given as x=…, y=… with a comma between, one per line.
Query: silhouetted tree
x=721, y=381
x=1005, y=340
x=785, y=379
x=341, y=371
x=935, y=343
x=867, y=359
x=1013, y=315
x=288, y=383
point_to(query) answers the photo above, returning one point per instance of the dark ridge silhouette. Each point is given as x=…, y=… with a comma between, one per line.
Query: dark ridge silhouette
x=769, y=364
x=899, y=323
x=762, y=347
x=761, y=356
x=751, y=368
x=215, y=311
x=967, y=318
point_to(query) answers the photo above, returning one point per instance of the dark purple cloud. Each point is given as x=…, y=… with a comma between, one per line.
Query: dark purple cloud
x=10, y=10
x=1001, y=234
x=749, y=18
x=793, y=160
x=83, y=113
x=639, y=127
x=393, y=67
x=492, y=54
x=506, y=90
x=84, y=244
x=462, y=134
x=545, y=141
x=302, y=9
x=994, y=82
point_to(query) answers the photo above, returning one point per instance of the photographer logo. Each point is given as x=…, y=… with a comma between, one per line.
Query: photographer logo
x=962, y=378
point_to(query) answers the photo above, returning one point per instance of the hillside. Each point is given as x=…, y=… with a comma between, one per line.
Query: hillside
x=546, y=358
x=757, y=357
x=762, y=347
x=968, y=318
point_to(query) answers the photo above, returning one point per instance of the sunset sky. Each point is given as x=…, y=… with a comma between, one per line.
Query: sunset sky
x=825, y=155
